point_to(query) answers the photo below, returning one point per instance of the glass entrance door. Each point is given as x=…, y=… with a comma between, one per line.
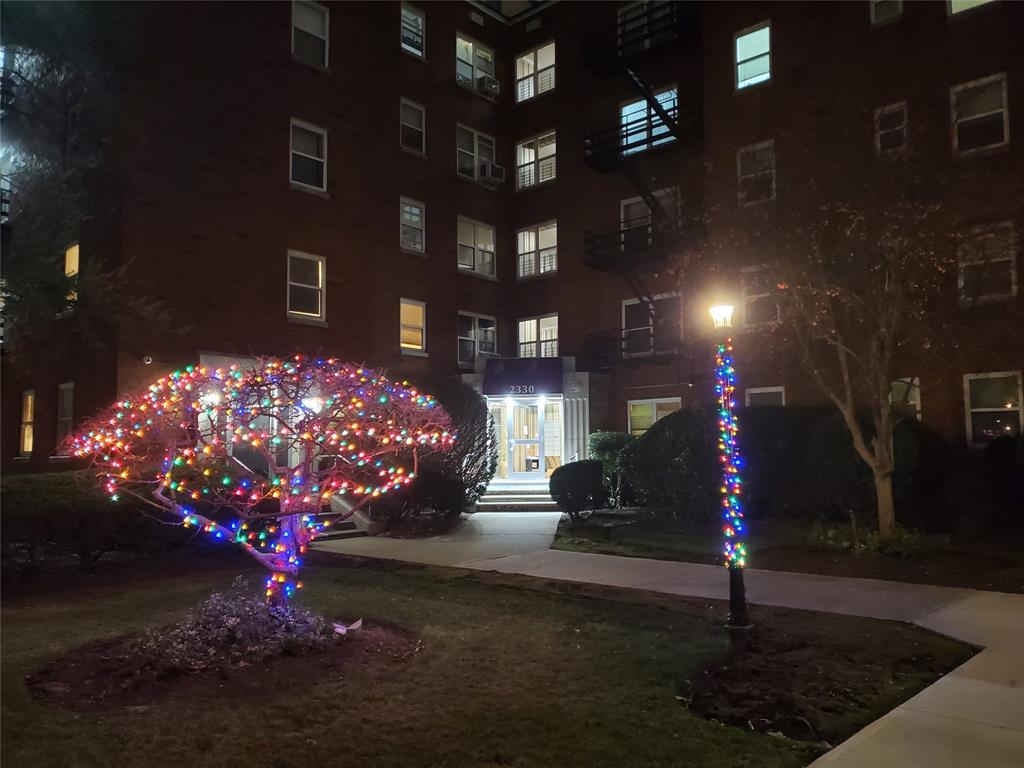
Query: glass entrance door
x=526, y=455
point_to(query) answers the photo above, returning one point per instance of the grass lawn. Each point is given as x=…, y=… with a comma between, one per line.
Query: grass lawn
x=781, y=547
x=513, y=672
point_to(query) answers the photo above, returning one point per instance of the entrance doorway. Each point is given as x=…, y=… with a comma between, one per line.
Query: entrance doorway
x=529, y=435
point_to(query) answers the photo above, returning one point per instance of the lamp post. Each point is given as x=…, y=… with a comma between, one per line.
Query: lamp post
x=733, y=528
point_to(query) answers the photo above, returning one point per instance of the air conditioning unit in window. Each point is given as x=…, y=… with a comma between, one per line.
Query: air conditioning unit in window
x=488, y=85
x=491, y=173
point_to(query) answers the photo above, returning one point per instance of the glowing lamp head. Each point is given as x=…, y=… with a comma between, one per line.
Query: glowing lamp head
x=721, y=315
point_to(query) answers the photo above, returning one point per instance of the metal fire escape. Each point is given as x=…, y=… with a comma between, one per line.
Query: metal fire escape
x=631, y=246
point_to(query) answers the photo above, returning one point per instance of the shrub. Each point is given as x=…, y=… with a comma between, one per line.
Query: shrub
x=433, y=502
x=607, y=448
x=904, y=542
x=578, y=487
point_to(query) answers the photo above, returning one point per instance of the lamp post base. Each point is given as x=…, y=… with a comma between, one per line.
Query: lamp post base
x=739, y=619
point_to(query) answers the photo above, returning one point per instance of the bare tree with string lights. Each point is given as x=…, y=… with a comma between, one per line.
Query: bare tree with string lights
x=255, y=455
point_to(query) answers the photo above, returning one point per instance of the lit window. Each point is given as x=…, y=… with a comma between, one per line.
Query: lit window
x=477, y=337
x=309, y=156
x=959, y=6
x=306, y=286
x=71, y=269
x=980, y=117
x=412, y=331
x=65, y=416
x=905, y=398
x=473, y=150
x=414, y=30
x=765, y=397
x=891, y=128
x=28, y=415
x=538, y=336
x=640, y=126
x=535, y=72
x=650, y=327
x=992, y=402
x=755, y=169
x=987, y=264
x=413, y=131
x=759, y=301
x=472, y=61
x=642, y=414
x=753, y=56
x=885, y=10
x=535, y=160
x=310, y=33
x=476, y=247
x=537, y=250
x=412, y=226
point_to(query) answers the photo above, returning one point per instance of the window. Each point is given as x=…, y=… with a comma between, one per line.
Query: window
x=992, y=402
x=759, y=301
x=472, y=61
x=413, y=130
x=761, y=397
x=28, y=415
x=885, y=10
x=476, y=247
x=538, y=336
x=959, y=6
x=641, y=414
x=639, y=228
x=987, y=264
x=905, y=398
x=412, y=320
x=472, y=150
x=414, y=30
x=411, y=226
x=65, y=421
x=753, y=56
x=644, y=24
x=306, y=286
x=535, y=72
x=310, y=33
x=980, y=117
x=891, y=128
x=650, y=327
x=755, y=170
x=640, y=126
x=535, y=160
x=71, y=269
x=309, y=156
x=477, y=337
x=537, y=250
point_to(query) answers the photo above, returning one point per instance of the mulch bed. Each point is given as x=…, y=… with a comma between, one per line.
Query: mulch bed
x=106, y=675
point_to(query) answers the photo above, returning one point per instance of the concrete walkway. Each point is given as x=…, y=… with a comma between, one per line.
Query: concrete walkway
x=971, y=718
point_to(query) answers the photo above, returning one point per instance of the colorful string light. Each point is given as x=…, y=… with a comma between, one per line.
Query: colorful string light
x=733, y=529
x=267, y=447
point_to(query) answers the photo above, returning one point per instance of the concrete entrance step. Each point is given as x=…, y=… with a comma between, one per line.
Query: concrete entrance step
x=346, y=529
x=506, y=499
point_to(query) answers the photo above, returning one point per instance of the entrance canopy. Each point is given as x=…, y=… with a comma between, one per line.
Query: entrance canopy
x=523, y=376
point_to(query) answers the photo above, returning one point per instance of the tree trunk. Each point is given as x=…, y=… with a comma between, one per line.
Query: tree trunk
x=884, y=500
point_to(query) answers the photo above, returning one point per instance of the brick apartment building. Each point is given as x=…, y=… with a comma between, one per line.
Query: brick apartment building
x=480, y=189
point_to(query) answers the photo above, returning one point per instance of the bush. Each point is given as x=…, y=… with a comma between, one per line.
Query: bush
x=434, y=501
x=607, y=447
x=904, y=542
x=578, y=487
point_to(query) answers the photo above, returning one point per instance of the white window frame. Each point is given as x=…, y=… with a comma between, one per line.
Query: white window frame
x=954, y=121
x=740, y=176
x=899, y=106
x=477, y=72
x=653, y=402
x=535, y=78
x=65, y=422
x=746, y=296
x=402, y=224
x=537, y=254
x=415, y=11
x=327, y=28
x=420, y=351
x=404, y=102
x=950, y=12
x=736, y=60
x=322, y=272
x=296, y=123
x=879, y=22
x=477, y=354
x=968, y=411
x=762, y=391
x=1011, y=257
x=27, y=423
x=651, y=121
x=539, y=342
x=475, y=245
x=477, y=159
x=537, y=162
x=650, y=350
x=913, y=384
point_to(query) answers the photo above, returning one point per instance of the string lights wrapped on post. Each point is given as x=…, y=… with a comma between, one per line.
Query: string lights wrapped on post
x=733, y=527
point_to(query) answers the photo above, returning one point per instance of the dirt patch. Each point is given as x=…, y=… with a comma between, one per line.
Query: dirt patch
x=106, y=675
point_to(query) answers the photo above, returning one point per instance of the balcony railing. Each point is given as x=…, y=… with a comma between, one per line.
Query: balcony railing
x=637, y=240
x=641, y=31
x=617, y=348
x=605, y=146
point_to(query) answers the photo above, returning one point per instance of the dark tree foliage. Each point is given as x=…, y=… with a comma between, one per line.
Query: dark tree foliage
x=579, y=487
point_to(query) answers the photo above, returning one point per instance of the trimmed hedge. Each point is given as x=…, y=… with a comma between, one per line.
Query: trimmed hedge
x=578, y=487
